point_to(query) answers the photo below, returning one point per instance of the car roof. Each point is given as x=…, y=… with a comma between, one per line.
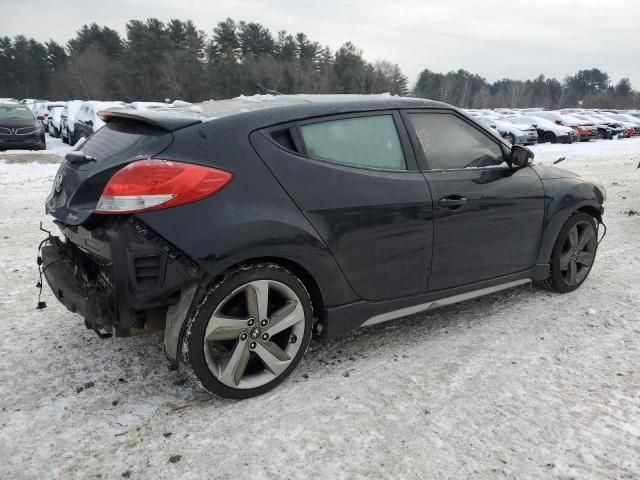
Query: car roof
x=263, y=110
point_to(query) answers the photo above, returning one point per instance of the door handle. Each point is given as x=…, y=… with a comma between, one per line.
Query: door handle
x=452, y=202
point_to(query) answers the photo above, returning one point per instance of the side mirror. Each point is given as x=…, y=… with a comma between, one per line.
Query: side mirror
x=520, y=156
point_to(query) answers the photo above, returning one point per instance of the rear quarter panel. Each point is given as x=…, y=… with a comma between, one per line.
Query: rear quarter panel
x=252, y=217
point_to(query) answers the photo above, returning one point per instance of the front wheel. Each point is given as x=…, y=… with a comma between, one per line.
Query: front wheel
x=573, y=254
x=510, y=138
x=250, y=331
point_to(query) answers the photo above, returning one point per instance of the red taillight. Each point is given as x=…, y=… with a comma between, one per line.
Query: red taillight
x=154, y=184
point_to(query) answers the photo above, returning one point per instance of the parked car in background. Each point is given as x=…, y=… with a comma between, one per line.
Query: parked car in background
x=19, y=128
x=548, y=131
x=586, y=130
x=605, y=130
x=488, y=121
x=506, y=111
x=31, y=102
x=625, y=129
x=67, y=120
x=87, y=120
x=43, y=110
x=375, y=208
x=53, y=124
x=38, y=110
x=629, y=119
x=511, y=132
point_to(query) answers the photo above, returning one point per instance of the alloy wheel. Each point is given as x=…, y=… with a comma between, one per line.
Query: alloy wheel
x=254, y=334
x=578, y=253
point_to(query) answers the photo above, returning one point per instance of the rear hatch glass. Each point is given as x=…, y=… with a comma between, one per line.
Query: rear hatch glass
x=78, y=185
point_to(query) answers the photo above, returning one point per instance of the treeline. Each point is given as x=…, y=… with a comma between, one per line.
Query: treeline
x=156, y=60
x=591, y=87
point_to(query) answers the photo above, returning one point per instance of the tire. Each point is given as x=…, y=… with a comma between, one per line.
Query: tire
x=510, y=138
x=72, y=139
x=224, y=347
x=550, y=137
x=573, y=254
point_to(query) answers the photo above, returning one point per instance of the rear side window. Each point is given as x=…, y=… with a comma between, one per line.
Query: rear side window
x=362, y=141
x=450, y=143
x=121, y=140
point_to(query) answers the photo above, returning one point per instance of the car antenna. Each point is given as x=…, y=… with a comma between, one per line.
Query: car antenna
x=266, y=91
x=560, y=160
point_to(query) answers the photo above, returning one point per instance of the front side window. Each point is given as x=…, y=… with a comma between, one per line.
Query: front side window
x=362, y=141
x=448, y=142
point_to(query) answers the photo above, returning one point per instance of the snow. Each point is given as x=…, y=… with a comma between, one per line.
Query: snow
x=520, y=384
x=257, y=98
x=624, y=148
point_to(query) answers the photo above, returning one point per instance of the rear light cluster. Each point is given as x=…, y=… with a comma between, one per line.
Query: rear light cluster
x=153, y=184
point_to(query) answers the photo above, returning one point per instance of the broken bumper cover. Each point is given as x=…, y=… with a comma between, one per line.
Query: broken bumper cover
x=121, y=277
x=62, y=274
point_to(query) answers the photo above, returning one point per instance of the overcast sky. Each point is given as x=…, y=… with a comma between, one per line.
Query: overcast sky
x=496, y=39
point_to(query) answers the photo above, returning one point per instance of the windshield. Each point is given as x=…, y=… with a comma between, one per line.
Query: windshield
x=21, y=113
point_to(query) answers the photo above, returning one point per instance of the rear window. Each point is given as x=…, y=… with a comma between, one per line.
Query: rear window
x=362, y=141
x=125, y=140
x=21, y=113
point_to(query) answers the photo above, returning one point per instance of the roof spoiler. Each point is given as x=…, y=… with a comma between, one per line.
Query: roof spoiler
x=165, y=120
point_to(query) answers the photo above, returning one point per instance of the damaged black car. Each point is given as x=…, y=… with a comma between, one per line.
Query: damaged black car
x=245, y=228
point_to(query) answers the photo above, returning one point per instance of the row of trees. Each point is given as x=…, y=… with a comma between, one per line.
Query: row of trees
x=589, y=88
x=156, y=60
x=159, y=60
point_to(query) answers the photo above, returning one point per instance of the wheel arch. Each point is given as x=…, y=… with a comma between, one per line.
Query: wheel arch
x=591, y=210
x=193, y=294
x=299, y=271
x=557, y=221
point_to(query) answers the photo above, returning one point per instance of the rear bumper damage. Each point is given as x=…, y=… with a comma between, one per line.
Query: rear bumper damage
x=119, y=276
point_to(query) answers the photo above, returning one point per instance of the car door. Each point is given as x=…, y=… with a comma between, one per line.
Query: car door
x=356, y=180
x=487, y=216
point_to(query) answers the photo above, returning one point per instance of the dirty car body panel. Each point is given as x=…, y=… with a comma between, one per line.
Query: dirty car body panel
x=370, y=244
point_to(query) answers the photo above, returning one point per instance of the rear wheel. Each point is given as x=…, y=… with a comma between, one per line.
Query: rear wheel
x=573, y=254
x=250, y=331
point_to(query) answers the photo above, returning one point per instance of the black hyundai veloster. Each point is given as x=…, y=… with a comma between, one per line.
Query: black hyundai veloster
x=245, y=228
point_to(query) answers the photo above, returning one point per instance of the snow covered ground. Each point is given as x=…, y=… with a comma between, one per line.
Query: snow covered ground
x=521, y=384
x=54, y=152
